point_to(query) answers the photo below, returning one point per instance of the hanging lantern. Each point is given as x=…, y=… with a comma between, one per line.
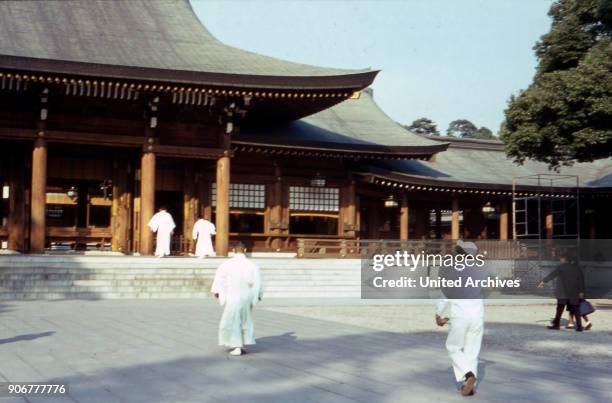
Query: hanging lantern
x=390, y=202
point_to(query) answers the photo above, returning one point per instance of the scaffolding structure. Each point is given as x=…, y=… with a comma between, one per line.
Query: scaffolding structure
x=562, y=208
x=537, y=198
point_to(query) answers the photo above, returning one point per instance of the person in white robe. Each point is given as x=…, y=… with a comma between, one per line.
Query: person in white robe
x=163, y=225
x=464, y=312
x=237, y=285
x=202, y=232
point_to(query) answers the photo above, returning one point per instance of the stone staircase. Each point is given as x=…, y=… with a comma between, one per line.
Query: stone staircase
x=104, y=277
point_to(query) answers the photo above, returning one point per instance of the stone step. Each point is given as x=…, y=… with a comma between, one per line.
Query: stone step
x=89, y=277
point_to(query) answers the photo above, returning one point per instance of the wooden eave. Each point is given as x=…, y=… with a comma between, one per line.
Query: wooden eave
x=351, y=151
x=404, y=182
x=188, y=79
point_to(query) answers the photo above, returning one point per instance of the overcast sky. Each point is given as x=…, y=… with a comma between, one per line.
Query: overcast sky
x=442, y=59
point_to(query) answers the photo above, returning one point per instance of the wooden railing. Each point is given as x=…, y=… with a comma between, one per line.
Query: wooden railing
x=362, y=248
x=72, y=236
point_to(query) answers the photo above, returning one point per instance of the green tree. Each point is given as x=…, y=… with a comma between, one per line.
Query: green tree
x=484, y=133
x=424, y=126
x=565, y=115
x=461, y=128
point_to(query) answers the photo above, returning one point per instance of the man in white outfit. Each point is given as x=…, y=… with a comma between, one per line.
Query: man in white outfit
x=202, y=231
x=466, y=320
x=237, y=285
x=162, y=224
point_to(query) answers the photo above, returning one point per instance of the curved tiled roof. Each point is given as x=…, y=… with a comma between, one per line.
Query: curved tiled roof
x=152, y=39
x=357, y=125
x=484, y=163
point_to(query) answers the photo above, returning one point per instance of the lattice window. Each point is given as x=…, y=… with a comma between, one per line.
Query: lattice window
x=303, y=198
x=243, y=195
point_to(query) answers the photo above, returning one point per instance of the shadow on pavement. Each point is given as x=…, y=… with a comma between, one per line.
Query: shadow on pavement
x=371, y=366
x=26, y=337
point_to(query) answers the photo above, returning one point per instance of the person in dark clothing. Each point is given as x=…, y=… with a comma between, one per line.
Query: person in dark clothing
x=569, y=290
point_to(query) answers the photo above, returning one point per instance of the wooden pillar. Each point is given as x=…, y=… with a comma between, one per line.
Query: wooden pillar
x=277, y=226
x=404, y=218
x=222, y=213
x=121, y=208
x=548, y=224
x=455, y=218
x=503, y=221
x=39, y=195
x=347, y=213
x=351, y=210
x=147, y=201
x=17, y=202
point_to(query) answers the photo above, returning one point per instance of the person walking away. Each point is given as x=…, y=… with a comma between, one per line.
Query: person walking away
x=203, y=231
x=463, y=310
x=237, y=286
x=569, y=290
x=162, y=224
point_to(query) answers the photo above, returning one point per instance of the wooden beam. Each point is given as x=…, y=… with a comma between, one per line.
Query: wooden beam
x=147, y=201
x=76, y=137
x=190, y=152
x=39, y=194
x=222, y=212
x=114, y=140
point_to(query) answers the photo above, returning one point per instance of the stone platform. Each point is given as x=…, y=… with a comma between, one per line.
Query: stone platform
x=51, y=277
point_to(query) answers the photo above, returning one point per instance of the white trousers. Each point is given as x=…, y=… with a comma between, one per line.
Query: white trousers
x=463, y=345
x=236, y=326
x=163, y=243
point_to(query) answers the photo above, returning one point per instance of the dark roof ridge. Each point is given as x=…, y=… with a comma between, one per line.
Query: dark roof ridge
x=481, y=144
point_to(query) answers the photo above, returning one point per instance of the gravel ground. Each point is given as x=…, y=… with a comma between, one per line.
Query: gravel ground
x=520, y=328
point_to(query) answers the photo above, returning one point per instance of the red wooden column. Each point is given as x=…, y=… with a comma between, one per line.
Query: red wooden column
x=503, y=221
x=38, y=202
x=351, y=210
x=277, y=226
x=223, y=182
x=39, y=195
x=404, y=218
x=147, y=179
x=222, y=213
x=147, y=200
x=455, y=218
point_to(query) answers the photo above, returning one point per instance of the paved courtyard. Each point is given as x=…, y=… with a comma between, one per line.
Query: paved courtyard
x=165, y=351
